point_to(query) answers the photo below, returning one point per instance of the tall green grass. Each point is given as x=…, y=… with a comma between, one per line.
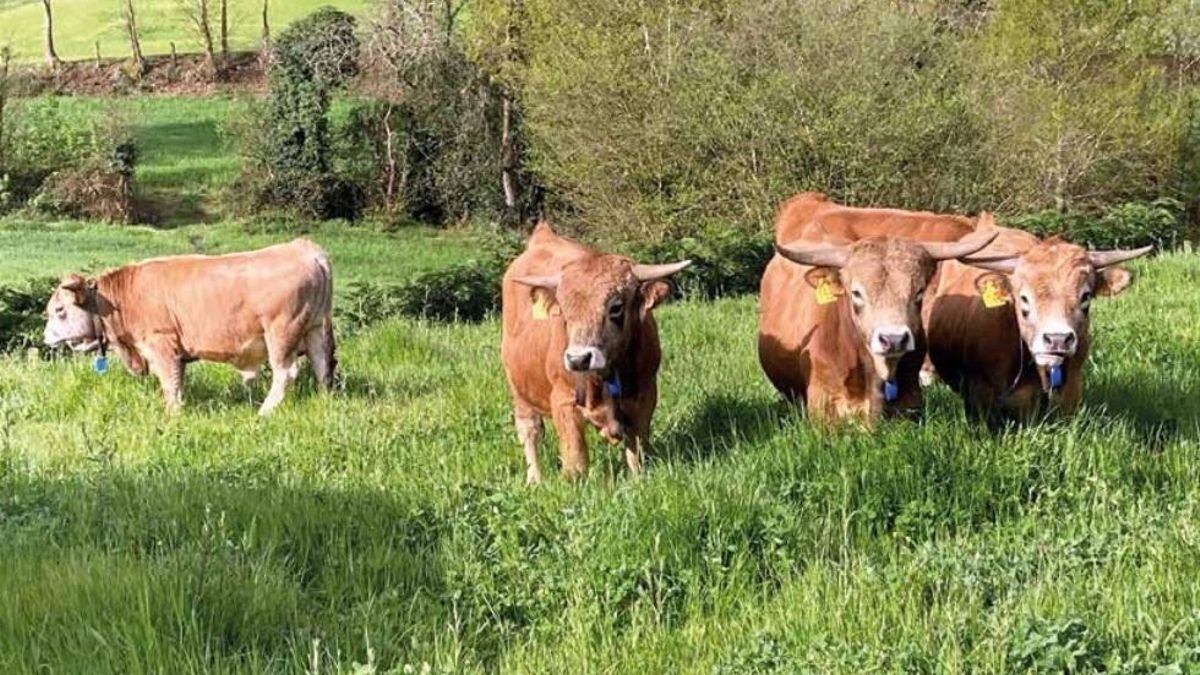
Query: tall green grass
x=386, y=528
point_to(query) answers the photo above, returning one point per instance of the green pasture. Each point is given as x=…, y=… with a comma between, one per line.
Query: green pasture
x=386, y=528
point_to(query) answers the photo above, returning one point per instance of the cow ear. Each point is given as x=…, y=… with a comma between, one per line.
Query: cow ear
x=73, y=282
x=655, y=293
x=545, y=302
x=994, y=288
x=1112, y=281
x=829, y=276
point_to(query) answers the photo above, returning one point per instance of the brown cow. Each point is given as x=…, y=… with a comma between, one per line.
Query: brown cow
x=1013, y=340
x=270, y=305
x=580, y=346
x=840, y=325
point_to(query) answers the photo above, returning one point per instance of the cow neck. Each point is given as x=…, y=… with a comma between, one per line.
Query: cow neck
x=92, y=306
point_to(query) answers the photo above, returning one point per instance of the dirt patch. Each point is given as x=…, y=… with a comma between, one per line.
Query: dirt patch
x=183, y=75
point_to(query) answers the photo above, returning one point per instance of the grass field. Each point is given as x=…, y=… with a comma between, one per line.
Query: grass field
x=360, y=254
x=386, y=528
x=79, y=24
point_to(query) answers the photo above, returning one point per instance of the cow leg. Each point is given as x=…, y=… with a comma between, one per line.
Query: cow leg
x=529, y=431
x=283, y=373
x=572, y=446
x=168, y=368
x=637, y=439
x=319, y=345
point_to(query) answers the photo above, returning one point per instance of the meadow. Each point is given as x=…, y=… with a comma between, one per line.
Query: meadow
x=386, y=527
x=79, y=24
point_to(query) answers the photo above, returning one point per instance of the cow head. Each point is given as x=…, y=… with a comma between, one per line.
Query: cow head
x=885, y=280
x=601, y=299
x=1051, y=286
x=70, y=314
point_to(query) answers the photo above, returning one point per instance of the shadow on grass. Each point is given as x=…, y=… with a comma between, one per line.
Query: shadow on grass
x=1160, y=412
x=224, y=389
x=718, y=424
x=226, y=564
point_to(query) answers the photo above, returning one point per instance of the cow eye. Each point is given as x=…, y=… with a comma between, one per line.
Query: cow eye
x=857, y=297
x=1085, y=300
x=1025, y=305
x=920, y=296
x=616, y=310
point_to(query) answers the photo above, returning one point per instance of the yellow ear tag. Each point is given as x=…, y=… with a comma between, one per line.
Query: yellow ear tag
x=540, y=310
x=825, y=292
x=993, y=295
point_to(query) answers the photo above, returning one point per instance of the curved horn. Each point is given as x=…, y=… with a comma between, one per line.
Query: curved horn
x=818, y=255
x=963, y=247
x=1102, y=259
x=652, y=272
x=1004, y=264
x=549, y=281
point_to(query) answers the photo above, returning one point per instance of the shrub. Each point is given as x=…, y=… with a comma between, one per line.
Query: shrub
x=21, y=313
x=724, y=261
x=68, y=162
x=312, y=59
x=1129, y=225
x=102, y=190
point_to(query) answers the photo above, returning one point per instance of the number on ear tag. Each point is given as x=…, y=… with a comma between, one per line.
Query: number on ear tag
x=993, y=295
x=826, y=293
x=540, y=311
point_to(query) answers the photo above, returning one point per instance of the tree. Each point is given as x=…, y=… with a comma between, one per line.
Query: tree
x=196, y=13
x=52, y=59
x=224, y=31
x=5, y=58
x=135, y=43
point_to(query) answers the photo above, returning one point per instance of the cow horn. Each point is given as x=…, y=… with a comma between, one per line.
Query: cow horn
x=1102, y=259
x=963, y=247
x=548, y=281
x=1004, y=264
x=653, y=272
x=820, y=255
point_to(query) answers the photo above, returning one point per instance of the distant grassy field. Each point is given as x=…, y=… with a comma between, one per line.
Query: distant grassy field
x=386, y=528
x=52, y=249
x=79, y=24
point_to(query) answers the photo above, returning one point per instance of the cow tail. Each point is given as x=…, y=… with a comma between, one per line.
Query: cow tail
x=322, y=261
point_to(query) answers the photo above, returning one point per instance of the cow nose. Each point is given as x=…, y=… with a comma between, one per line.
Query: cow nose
x=893, y=340
x=1059, y=343
x=580, y=359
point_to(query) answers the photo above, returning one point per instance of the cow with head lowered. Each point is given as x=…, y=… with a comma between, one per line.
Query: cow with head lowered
x=840, y=305
x=1010, y=332
x=580, y=346
x=268, y=306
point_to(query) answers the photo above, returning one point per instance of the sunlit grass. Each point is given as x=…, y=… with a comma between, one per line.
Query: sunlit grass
x=388, y=525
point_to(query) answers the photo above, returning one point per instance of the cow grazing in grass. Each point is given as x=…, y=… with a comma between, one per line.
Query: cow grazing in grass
x=1014, y=339
x=840, y=305
x=581, y=346
x=272, y=305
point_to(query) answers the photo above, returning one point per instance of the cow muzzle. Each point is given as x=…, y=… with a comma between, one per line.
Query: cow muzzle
x=1051, y=347
x=584, y=359
x=892, y=341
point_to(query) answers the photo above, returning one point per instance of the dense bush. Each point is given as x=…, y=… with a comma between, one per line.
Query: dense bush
x=67, y=163
x=22, y=309
x=724, y=262
x=437, y=136
x=1158, y=223
x=466, y=292
x=313, y=58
